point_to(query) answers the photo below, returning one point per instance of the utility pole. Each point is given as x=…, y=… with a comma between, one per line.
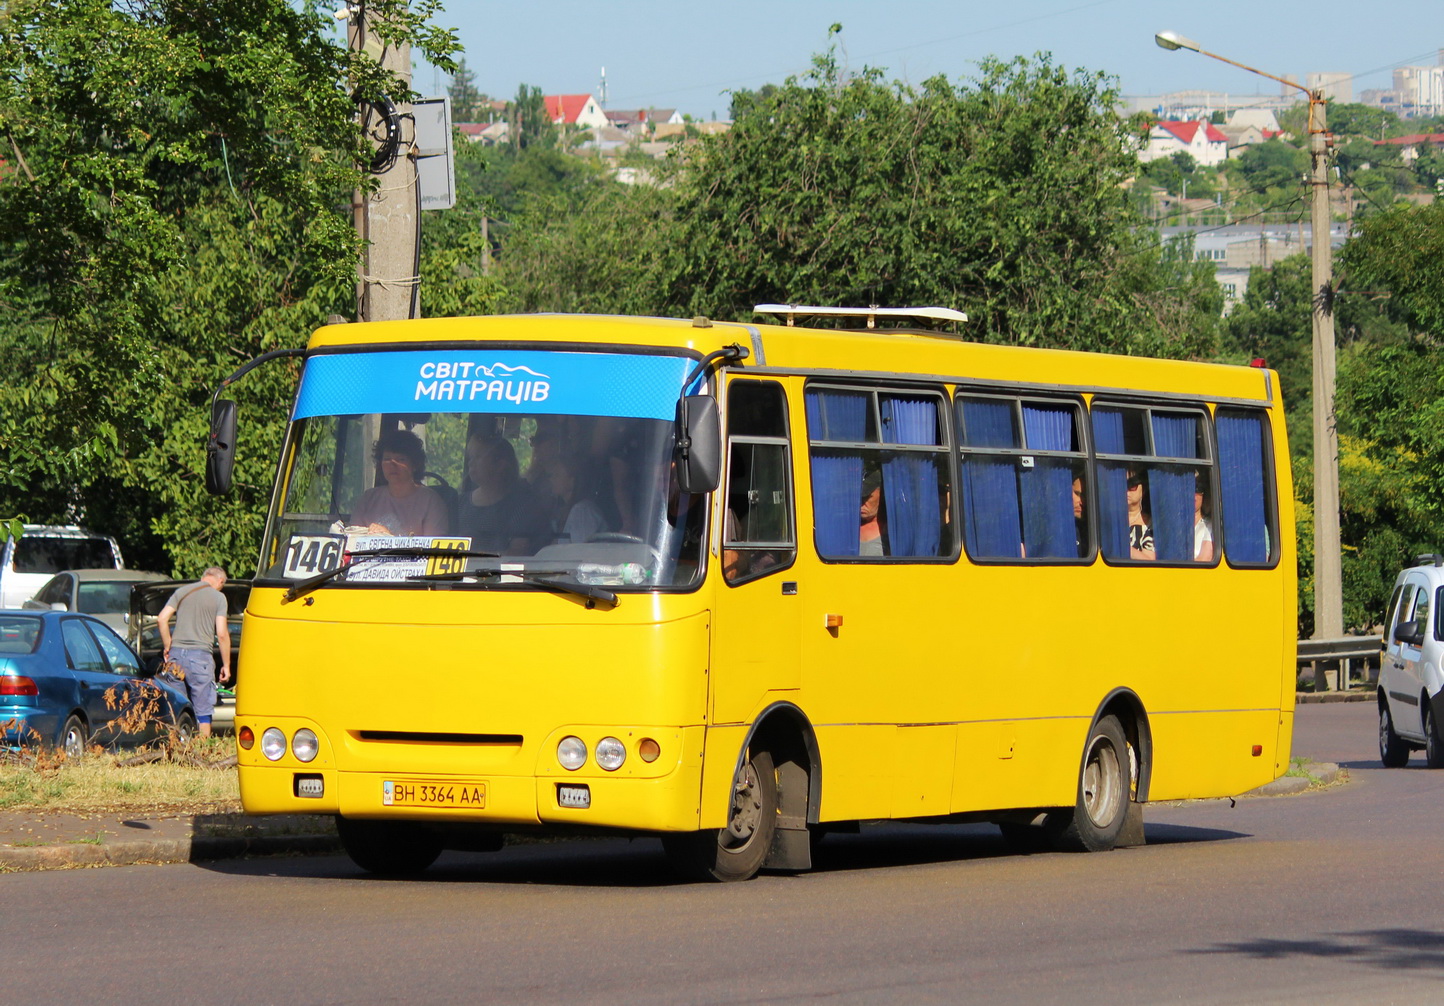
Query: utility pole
x=387, y=220
x=1328, y=574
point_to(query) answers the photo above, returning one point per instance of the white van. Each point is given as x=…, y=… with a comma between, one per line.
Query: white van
x=28, y=562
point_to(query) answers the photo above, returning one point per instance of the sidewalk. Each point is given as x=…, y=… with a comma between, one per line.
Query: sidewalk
x=33, y=840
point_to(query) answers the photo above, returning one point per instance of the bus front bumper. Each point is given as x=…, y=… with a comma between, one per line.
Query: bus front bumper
x=660, y=798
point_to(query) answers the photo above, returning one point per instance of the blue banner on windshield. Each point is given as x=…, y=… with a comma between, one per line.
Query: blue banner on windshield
x=480, y=380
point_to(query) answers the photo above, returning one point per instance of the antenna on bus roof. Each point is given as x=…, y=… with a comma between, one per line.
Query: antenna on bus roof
x=794, y=311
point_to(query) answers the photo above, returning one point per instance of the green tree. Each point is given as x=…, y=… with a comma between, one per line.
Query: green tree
x=848, y=190
x=468, y=104
x=1273, y=164
x=176, y=202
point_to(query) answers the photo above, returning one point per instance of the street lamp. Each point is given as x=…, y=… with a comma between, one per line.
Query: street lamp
x=1328, y=579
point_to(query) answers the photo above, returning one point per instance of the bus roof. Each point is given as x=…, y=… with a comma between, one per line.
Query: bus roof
x=841, y=353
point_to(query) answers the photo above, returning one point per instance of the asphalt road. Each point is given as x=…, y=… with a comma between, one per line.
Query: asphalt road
x=1326, y=897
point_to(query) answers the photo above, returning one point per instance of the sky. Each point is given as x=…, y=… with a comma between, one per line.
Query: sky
x=686, y=54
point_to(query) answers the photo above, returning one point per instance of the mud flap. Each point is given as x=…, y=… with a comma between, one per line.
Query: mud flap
x=791, y=848
x=1132, y=833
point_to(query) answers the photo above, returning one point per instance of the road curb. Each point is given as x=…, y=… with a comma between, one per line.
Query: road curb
x=1319, y=774
x=76, y=855
x=1308, y=698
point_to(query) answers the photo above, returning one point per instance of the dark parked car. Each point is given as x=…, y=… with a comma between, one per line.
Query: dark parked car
x=67, y=680
x=104, y=593
x=146, y=600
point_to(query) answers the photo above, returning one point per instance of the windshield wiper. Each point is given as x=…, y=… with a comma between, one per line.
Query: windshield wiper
x=369, y=554
x=586, y=590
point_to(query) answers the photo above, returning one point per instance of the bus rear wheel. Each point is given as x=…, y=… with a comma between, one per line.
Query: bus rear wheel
x=737, y=851
x=1096, y=820
x=396, y=848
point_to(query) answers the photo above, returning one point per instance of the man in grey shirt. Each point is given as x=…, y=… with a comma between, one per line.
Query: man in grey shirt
x=200, y=625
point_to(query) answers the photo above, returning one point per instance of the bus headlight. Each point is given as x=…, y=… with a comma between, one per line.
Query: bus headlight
x=611, y=753
x=572, y=753
x=273, y=744
x=305, y=745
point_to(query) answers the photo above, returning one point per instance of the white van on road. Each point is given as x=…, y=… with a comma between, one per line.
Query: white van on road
x=28, y=562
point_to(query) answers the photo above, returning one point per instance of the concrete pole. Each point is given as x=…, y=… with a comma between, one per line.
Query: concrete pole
x=1328, y=577
x=386, y=220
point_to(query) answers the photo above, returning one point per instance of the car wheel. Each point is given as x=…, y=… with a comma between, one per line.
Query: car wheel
x=185, y=729
x=397, y=848
x=1096, y=820
x=1433, y=743
x=73, y=737
x=737, y=851
x=1393, y=752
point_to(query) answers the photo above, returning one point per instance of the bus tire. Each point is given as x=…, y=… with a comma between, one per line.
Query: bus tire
x=1096, y=821
x=395, y=848
x=737, y=851
x=1393, y=751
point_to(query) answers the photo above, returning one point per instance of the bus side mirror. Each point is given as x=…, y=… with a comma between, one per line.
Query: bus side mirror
x=221, y=448
x=699, y=444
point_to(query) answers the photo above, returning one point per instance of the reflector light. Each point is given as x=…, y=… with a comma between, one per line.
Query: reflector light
x=1257, y=750
x=18, y=684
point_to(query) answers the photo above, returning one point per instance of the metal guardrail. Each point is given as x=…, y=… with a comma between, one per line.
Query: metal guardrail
x=1335, y=661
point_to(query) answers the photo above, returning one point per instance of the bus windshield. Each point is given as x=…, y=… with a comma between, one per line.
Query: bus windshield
x=492, y=455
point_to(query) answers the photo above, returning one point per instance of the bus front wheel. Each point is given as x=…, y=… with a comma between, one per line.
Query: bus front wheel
x=388, y=847
x=737, y=851
x=1096, y=821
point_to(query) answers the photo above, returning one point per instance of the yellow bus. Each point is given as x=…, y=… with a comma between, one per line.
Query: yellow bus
x=738, y=585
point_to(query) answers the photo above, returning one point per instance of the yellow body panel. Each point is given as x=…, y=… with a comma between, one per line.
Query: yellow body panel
x=948, y=687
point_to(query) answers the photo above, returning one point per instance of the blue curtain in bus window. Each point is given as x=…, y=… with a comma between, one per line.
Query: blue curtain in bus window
x=990, y=485
x=836, y=478
x=1049, y=531
x=910, y=481
x=1112, y=485
x=1170, y=490
x=1241, y=478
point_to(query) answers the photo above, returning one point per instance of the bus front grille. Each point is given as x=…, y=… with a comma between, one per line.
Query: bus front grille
x=420, y=737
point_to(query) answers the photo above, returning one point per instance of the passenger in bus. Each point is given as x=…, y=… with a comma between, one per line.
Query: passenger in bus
x=578, y=517
x=500, y=512
x=402, y=506
x=1202, y=525
x=870, y=537
x=1140, y=525
x=1080, y=526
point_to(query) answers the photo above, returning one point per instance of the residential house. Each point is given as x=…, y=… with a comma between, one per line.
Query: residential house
x=1200, y=140
x=579, y=110
x=1410, y=146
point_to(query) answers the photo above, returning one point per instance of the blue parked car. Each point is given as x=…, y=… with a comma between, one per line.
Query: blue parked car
x=56, y=671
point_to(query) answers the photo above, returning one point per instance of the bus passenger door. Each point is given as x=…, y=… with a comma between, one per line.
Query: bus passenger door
x=756, y=646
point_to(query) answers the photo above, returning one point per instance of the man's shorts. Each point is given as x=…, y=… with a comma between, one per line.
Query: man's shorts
x=200, y=671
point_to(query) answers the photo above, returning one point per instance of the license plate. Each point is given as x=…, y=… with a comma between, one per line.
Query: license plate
x=573, y=796
x=433, y=793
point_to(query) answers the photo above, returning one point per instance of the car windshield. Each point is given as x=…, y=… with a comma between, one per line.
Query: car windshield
x=534, y=482
x=19, y=633
x=37, y=553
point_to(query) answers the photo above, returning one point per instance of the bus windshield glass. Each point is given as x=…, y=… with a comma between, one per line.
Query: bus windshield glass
x=532, y=466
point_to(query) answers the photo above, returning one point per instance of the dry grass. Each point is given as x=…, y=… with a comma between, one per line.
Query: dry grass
x=199, y=780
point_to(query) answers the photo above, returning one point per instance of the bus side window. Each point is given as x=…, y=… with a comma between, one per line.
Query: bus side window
x=1247, y=513
x=880, y=474
x=1151, y=461
x=757, y=536
x=1025, y=490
